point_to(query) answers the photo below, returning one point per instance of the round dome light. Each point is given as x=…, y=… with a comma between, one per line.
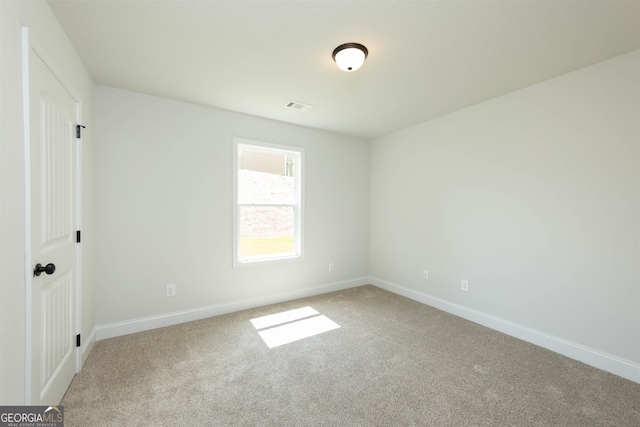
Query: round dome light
x=350, y=56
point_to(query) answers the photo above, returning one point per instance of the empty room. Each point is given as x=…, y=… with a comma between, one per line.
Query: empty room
x=320, y=212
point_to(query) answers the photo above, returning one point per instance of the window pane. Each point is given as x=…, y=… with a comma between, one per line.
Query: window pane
x=268, y=218
x=265, y=178
x=266, y=230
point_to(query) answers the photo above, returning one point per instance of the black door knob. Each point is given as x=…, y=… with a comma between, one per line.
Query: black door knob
x=49, y=269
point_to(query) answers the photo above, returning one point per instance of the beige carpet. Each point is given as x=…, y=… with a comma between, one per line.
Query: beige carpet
x=392, y=362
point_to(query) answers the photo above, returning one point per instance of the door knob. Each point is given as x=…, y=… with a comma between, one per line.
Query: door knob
x=49, y=269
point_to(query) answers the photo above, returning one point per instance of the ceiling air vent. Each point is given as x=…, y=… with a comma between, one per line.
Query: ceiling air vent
x=298, y=106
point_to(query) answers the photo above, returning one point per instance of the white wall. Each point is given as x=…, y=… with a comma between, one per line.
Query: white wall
x=534, y=197
x=49, y=37
x=164, y=212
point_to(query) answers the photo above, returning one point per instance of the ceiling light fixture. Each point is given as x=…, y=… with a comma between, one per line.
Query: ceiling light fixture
x=350, y=56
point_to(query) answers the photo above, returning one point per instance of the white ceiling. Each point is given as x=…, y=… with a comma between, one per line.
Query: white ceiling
x=426, y=58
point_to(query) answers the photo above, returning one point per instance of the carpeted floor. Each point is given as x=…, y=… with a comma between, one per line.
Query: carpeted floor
x=392, y=362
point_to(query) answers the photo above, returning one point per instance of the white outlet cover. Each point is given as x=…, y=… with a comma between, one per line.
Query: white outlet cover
x=464, y=285
x=171, y=290
x=425, y=274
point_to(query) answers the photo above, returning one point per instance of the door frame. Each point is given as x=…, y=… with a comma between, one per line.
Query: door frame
x=27, y=46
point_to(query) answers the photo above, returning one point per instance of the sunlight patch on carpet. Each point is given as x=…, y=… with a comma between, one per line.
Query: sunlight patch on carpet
x=283, y=317
x=293, y=325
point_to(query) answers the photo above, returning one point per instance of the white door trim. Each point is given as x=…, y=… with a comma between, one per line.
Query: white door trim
x=26, y=119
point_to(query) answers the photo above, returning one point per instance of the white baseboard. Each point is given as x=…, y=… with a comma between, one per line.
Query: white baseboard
x=606, y=362
x=85, y=348
x=117, y=329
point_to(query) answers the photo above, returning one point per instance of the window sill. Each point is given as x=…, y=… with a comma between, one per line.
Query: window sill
x=248, y=262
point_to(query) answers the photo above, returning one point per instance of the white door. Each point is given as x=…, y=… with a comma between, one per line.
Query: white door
x=53, y=164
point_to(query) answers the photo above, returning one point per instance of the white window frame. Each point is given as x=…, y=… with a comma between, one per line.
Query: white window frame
x=298, y=233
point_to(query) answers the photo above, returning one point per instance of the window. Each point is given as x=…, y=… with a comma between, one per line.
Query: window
x=267, y=202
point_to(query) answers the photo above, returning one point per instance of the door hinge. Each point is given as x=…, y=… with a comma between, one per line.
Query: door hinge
x=78, y=237
x=79, y=131
x=78, y=341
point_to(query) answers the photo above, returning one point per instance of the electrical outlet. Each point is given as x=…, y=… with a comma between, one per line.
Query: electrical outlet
x=464, y=285
x=425, y=274
x=171, y=290
x=331, y=266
